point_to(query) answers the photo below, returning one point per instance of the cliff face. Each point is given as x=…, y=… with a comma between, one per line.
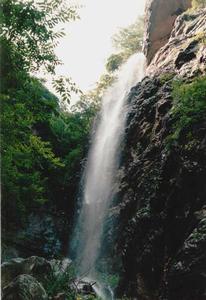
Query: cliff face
x=162, y=192
x=160, y=18
x=185, y=52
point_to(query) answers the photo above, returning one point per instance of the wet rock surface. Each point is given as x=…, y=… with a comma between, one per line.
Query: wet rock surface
x=45, y=234
x=162, y=198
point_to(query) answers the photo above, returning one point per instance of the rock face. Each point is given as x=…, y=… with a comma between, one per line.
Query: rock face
x=160, y=17
x=162, y=192
x=185, y=52
x=46, y=234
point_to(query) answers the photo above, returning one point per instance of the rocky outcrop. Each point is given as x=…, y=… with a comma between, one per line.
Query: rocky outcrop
x=159, y=20
x=36, y=278
x=34, y=265
x=162, y=192
x=24, y=287
x=185, y=52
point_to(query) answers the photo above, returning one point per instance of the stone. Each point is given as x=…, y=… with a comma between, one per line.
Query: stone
x=24, y=287
x=185, y=52
x=161, y=194
x=34, y=265
x=159, y=20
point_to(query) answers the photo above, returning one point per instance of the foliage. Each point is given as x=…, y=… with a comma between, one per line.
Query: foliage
x=130, y=39
x=59, y=281
x=29, y=27
x=114, y=61
x=29, y=35
x=127, y=41
x=166, y=77
x=65, y=87
x=94, y=96
x=42, y=146
x=189, y=105
x=199, y=3
x=24, y=154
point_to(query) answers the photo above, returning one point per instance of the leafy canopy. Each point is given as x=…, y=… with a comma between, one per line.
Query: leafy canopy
x=127, y=41
x=29, y=34
x=42, y=146
x=189, y=106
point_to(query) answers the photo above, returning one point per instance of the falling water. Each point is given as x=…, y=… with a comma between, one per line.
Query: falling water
x=102, y=165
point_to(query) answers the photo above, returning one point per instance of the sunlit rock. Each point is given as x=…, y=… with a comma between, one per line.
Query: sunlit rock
x=159, y=20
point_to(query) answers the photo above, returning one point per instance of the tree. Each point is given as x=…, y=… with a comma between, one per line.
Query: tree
x=34, y=153
x=130, y=39
x=29, y=35
x=127, y=41
x=114, y=62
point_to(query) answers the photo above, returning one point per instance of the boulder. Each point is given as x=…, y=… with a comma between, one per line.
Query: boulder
x=24, y=287
x=34, y=265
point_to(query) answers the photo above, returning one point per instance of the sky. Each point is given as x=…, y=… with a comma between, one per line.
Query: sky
x=87, y=43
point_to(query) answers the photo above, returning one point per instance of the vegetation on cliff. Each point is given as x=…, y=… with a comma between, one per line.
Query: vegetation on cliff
x=189, y=107
x=160, y=243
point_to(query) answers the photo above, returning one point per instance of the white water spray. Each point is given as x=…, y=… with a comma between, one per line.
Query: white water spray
x=102, y=165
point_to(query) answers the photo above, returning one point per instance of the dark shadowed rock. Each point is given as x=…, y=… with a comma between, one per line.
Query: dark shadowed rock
x=161, y=235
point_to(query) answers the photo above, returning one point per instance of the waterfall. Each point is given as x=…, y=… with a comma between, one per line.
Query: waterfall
x=102, y=164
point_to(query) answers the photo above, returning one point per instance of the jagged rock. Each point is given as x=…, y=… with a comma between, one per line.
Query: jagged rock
x=185, y=51
x=159, y=20
x=24, y=287
x=34, y=265
x=162, y=199
x=187, y=276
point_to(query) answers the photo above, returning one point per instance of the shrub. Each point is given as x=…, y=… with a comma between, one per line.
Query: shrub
x=166, y=77
x=189, y=106
x=59, y=281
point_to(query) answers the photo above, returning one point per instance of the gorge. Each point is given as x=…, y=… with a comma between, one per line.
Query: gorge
x=137, y=228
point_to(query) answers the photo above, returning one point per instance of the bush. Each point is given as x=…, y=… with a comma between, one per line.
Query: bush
x=166, y=77
x=189, y=106
x=59, y=281
x=114, y=62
